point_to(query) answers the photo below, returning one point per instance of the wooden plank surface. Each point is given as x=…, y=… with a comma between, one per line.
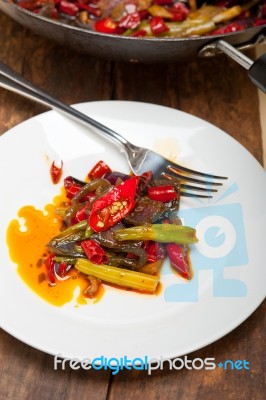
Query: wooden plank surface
x=216, y=90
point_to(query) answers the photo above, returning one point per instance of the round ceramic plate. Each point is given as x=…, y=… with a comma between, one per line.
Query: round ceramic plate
x=228, y=262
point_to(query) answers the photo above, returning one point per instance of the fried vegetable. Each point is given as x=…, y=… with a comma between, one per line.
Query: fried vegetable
x=93, y=286
x=164, y=233
x=66, y=245
x=145, y=211
x=118, y=276
x=107, y=239
x=117, y=260
x=81, y=226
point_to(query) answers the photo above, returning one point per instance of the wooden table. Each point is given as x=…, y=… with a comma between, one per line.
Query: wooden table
x=216, y=90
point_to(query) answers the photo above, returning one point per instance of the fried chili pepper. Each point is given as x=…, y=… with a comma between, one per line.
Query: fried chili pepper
x=105, y=25
x=99, y=170
x=130, y=21
x=162, y=193
x=179, y=259
x=71, y=187
x=155, y=251
x=56, y=172
x=50, y=264
x=158, y=26
x=112, y=207
x=62, y=269
x=68, y=8
x=179, y=12
x=233, y=27
x=94, y=252
x=91, y=10
x=81, y=214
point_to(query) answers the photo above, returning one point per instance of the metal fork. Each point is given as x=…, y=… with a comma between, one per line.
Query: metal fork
x=140, y=159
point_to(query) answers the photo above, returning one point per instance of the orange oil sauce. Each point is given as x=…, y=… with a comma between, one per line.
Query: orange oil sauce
x=27, y=248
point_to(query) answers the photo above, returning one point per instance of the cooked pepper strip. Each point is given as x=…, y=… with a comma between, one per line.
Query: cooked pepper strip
x=88, y=189
x=164, y=233
x=80, y=226
x=81, y=215
x=158, y=26
x=99, y=170
x=227, y=15
x=67, y=260
x=179, y=259
x=94, y=252
x=110, y=208
x=105, y=25
x=56, y=172
x=50, y=264
x=162, y=193
x=155, y=251
x=122, y=261
x=118, y=276
x=71, y=186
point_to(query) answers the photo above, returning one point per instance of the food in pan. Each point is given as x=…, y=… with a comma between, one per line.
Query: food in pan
x=153, y=18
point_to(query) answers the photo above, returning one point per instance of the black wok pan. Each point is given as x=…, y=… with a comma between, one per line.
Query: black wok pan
x=144, y=50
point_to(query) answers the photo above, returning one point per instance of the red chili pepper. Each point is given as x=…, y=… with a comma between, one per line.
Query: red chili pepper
x=130, y=21
x=179, y=259
x=50, y=263
x=154, y=250
x=56, y=172
x=158, y=26
x=68, y=8
x=140, y=33
x=162, y=193
x=99, y=170
x=144, y=14
x=163, y=2
x=179, y=12
x=62, y=269
x=71, y=187
x=178, y=16
x=259, y=22
x=94, y=252
x=233, y=27
x=105, y=25
x=109, y=209
x=81, y=214
x=91, y=10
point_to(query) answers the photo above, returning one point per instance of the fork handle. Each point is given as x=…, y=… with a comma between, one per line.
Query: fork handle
x=11, y=80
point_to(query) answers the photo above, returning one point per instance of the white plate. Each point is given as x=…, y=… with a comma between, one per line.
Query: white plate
x=228, y=262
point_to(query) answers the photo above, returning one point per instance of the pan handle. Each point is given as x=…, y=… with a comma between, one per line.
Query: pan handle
x=256, y=69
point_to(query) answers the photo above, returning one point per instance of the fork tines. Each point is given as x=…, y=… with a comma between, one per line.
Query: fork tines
x=182, y=174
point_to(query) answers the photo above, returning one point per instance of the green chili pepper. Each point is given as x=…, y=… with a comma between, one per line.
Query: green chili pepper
x=164, y=233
